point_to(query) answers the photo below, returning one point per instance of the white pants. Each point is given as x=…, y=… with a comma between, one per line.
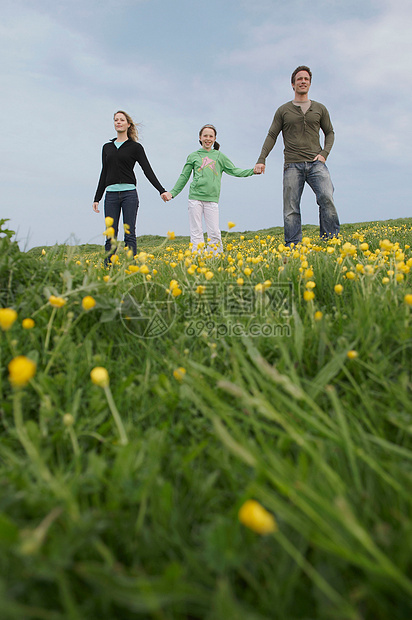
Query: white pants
x=210, y=211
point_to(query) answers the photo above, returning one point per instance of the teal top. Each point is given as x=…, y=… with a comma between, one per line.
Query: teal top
x=120, y=187
x=207, y=168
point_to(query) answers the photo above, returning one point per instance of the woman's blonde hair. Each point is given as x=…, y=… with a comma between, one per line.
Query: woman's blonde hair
x=132, y=130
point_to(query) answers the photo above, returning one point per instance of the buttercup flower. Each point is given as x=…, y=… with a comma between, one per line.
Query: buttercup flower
x=408, y=299
x=308, y=295
x=21, y=370
x=109, y=232
x=7, y=318
x=231, y=225
x=338, y=289
x=318, y=315
x=100, y=376
x=56, y=302
x=28, y=323
x=209, y=275
x=200, y=289
x=255, y=517
x=352, y=354
x=171, y=235
x=179, y=373
x=88, y=302
x=68, y=419
x=108, y=221
x=43, y=252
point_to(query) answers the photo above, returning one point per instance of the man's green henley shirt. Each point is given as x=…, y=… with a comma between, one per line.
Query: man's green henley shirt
x=300, y=133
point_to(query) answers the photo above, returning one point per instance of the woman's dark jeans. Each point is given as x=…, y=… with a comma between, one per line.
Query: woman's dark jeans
x=127, y=203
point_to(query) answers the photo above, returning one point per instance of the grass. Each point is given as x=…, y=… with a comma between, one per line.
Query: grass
x=122, y=501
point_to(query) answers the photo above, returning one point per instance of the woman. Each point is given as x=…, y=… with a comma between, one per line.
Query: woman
x=119, y=157
x=207, y=165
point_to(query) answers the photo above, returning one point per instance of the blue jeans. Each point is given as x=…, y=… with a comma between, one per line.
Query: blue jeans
x=128, y=203
x=316, y=175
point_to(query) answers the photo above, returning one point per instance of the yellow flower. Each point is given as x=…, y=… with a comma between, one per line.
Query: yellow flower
x=247, y=271
x=88, y=302
x=173, y=284
x=308, y=295
x=108, y=221
x=318, y=315
x=21, y=370
x=176, y=291
x=231, y=225
x=179, y=373
x=100, y=376
x=385, y=280
x=399, y=277
x=43, y=252
x=109, y=232
x=171, y=235
x=144, y=269
x=240, y=281
x=386, y=245
x=310, y=284
x=308, y=273
x=114, y=259
x=126, y=228
x=142, y=257
x=7, y=318
x=259, y=288
x=350, y=275
x=360, y=268
x=257, y=518
x=106, y=278
x=200, y=289
x=209, y=275
x=134, y=268
x=28, y=323
x=408, y=299
x=68, y=419
x=56, y=302
x=352, y=354
x=338, y=289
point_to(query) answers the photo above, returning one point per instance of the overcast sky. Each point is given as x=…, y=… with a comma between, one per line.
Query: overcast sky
x=176, y=65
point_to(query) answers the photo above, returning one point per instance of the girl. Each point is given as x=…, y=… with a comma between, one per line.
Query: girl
x=118, y=179
x=207, y=165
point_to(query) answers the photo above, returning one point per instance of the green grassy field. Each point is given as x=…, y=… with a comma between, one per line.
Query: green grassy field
x=144, y=404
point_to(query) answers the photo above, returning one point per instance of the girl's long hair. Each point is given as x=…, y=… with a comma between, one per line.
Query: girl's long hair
x=132, y=130
x=216, y=145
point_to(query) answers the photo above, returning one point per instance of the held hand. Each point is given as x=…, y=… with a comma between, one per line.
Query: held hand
x=166, y=196
x=259, y=169
x=320, y=158
x=96, y=207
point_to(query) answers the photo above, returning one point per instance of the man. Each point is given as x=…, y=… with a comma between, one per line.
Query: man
x=300, y=121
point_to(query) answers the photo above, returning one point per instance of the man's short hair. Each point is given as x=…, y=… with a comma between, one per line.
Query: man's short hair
x=301, y=68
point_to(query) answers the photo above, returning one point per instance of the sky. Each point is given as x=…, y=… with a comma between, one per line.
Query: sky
x=67, y=66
